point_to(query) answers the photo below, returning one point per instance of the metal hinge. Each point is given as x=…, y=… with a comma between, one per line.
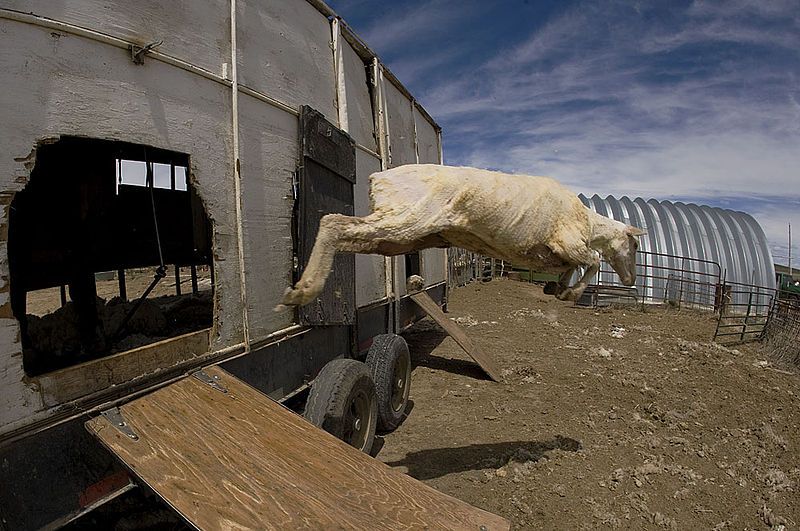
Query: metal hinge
x=114, y=416
x=138, y=52
x=207, y=379
x=296, y=183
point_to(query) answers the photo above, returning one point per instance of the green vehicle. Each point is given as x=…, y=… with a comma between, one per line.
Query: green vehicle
x=788, y=287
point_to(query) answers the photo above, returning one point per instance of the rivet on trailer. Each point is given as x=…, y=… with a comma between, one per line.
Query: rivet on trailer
x=164, y=172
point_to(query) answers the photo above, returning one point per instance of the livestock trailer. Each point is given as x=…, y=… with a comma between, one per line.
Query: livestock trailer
x=199, y=142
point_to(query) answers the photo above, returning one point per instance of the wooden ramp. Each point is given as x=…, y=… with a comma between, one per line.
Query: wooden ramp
x=239, y=460
x=456, y=332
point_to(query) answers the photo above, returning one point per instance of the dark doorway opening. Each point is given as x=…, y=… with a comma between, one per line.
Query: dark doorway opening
x=100, y=242
x=413, y=264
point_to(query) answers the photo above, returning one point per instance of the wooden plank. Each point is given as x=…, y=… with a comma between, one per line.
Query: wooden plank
x=238, y=460
x=431, y=308
x=121, y=368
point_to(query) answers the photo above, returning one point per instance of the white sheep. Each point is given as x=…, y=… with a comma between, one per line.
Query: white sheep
x=526, y=220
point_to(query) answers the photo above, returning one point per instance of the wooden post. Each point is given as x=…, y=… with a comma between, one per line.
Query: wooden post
x=177, y=279
x=123, y=290
x=193, y=270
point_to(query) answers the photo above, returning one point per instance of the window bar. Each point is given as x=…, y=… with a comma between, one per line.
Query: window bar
x=177, y=277
x=193, y=270
x=123, y=289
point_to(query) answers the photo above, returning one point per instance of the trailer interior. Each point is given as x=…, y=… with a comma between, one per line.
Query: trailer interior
x=109, y=250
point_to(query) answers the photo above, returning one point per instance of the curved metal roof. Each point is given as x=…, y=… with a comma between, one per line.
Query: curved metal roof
x=732, y=239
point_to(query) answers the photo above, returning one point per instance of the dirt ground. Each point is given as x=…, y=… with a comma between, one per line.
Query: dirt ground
x=44, y=301
x=611, y=418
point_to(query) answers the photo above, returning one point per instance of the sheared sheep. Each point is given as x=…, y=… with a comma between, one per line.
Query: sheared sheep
x=533, y=221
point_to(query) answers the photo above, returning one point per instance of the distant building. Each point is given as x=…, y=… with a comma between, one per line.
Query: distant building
x=685, y=236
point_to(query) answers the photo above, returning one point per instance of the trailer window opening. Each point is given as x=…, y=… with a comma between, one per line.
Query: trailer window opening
x=104, y=255
x=165, y=176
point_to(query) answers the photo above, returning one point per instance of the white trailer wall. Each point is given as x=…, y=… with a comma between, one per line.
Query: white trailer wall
x=194, y=31
x=401, y=126
x=409, y=132
x=268, y=155
x=360, y=121
x=80, y=80
x=434, y=261
x=427, y=139
x=51, y=90
x=402, y=150
x=285, y=51
x=357, y=109
x=370, y=268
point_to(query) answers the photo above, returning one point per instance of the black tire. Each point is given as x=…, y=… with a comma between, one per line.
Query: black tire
x=390, y=363
x=342, y=401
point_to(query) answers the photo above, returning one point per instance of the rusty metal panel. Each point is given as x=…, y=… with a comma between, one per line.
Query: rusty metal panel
x=327, y=145
x=326, y=183
x=67, y=464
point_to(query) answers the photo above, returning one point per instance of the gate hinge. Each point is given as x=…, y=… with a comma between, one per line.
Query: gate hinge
x=114, y=416
x=207, y=379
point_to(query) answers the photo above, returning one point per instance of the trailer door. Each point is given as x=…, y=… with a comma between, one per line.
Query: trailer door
x=225, y=456
x=326, y=178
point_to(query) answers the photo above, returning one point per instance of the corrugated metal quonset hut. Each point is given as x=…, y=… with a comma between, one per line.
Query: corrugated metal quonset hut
x=691, y=237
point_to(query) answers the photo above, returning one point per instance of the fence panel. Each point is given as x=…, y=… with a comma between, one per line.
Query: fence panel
x=782, y=332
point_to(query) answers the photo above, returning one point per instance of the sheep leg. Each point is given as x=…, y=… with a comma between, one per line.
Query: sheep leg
x=582, y=254
x=574, y=293
x=555, y=288
x=340, y=233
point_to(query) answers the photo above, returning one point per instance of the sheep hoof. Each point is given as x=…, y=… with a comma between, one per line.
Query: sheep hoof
x=567, y=295
x=550, y=288
x=292, y=297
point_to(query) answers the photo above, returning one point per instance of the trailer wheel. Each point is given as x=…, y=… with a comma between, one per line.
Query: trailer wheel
x=342, y=402
x=390, y=363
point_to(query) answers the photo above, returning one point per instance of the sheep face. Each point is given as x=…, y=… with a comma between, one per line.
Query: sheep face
x=621, y=254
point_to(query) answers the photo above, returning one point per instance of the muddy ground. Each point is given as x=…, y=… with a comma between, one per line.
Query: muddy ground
x=612, y=418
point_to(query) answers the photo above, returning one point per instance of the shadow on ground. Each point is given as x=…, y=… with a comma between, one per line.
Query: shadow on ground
x=437, y=462
x=423, y=338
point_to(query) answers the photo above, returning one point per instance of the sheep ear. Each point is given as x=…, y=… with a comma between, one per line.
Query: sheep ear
x=635, y=231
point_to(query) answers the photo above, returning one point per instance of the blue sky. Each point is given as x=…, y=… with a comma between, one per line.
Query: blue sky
x=692, y=101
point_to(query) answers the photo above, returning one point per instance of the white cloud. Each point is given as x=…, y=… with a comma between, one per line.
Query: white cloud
x=700, y=104
x=596, y=124
x=400, y=25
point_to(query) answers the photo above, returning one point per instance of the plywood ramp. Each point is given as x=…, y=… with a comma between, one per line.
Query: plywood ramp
x=456, y=332
x=239, y=460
